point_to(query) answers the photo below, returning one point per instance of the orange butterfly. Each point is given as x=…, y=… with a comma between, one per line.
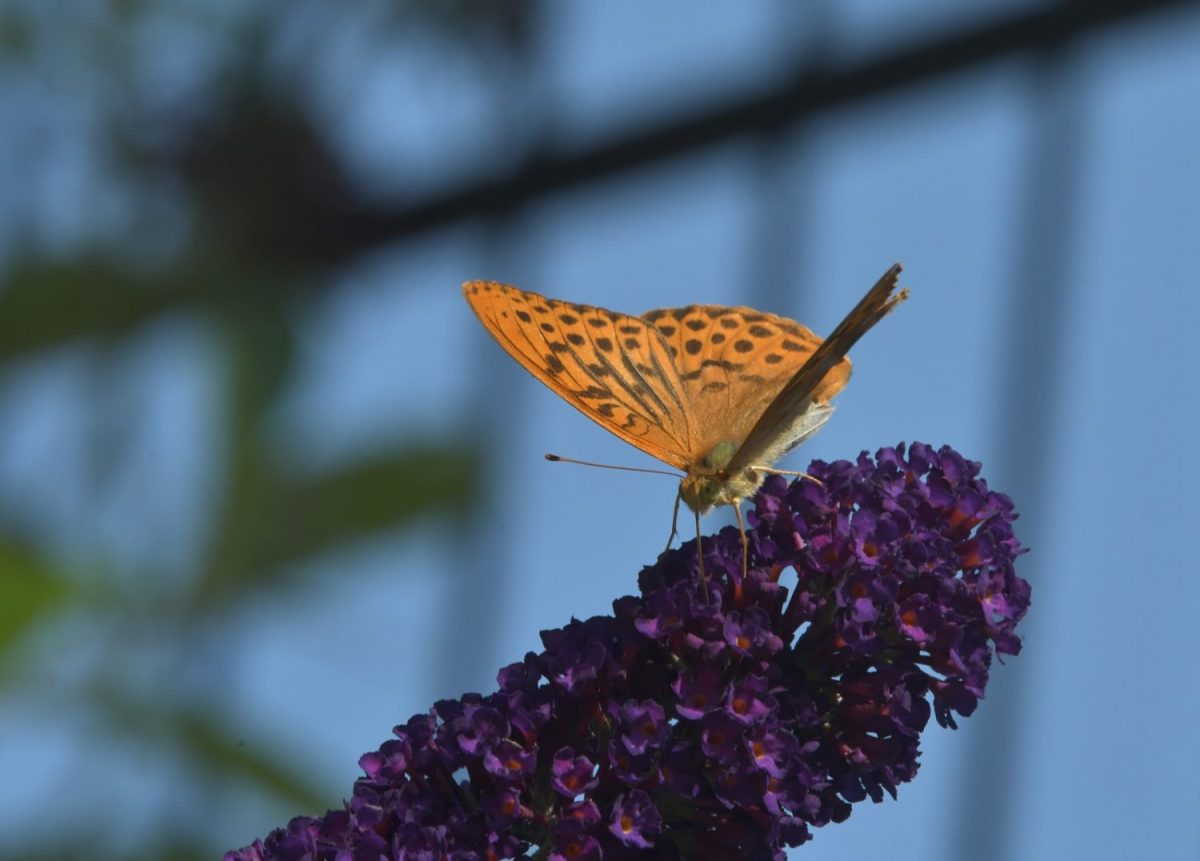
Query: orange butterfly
x=720, y=393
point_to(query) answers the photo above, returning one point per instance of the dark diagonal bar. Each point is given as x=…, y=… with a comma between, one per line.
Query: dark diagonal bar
x=757, y=111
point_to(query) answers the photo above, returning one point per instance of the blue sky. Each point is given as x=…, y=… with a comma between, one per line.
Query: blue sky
x=1095, y=717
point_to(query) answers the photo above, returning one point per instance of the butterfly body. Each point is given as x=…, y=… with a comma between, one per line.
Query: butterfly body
x=711, y=482
x=719, y=392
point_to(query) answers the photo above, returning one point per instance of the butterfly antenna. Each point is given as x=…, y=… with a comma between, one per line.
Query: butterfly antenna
x=554, y=458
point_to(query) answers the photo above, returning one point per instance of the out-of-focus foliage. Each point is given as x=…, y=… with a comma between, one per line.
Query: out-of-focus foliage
x=32, y=591
x=165, y=161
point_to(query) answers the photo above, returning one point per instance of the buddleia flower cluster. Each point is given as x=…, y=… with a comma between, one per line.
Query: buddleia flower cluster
x=722, y=718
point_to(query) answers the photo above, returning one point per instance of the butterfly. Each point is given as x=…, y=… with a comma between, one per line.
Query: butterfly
x=721, y=393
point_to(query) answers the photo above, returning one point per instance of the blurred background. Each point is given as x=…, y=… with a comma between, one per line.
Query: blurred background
x=267, y=488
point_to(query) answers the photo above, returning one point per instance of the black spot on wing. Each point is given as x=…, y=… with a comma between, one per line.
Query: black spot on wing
x=596, y=392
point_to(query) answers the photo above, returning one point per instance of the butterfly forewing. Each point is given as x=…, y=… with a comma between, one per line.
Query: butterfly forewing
x=733, y=362
x=615, y=369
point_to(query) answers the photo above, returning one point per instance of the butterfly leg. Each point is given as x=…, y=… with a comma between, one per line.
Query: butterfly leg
x=700, y=559
x=737, y=512
x=773, y=471
x=674, y=521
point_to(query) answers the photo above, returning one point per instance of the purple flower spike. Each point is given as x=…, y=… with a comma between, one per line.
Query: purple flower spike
x=725, y=719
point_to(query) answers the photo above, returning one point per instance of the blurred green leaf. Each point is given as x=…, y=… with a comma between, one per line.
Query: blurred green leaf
x=16, y=37
x=208, y=744
x=380, y=494
x=276, y=520
x=262, y=349
x=32, y=588
x=218, y=760
x=48, y=304
x=215, y=751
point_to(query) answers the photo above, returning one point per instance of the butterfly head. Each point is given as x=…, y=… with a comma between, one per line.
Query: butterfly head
x=701, y=492
x=708, y=483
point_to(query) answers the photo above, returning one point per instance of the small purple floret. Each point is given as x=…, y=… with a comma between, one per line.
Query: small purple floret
x=697, y=693
x=643, y=726
x=720, y=720
x=572, y=775
x=635, y=821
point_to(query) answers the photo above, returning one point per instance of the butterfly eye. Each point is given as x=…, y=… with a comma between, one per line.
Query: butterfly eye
x=700, y=492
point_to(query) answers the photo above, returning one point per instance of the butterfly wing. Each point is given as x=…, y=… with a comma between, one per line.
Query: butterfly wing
x=734, y=362
x=615, y=369
x=788, y=418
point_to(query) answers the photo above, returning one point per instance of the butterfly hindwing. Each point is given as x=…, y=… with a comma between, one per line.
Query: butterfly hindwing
x=615, y=369
x=775, y=431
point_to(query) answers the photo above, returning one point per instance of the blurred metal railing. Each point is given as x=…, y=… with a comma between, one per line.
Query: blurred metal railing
x=811, y=91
